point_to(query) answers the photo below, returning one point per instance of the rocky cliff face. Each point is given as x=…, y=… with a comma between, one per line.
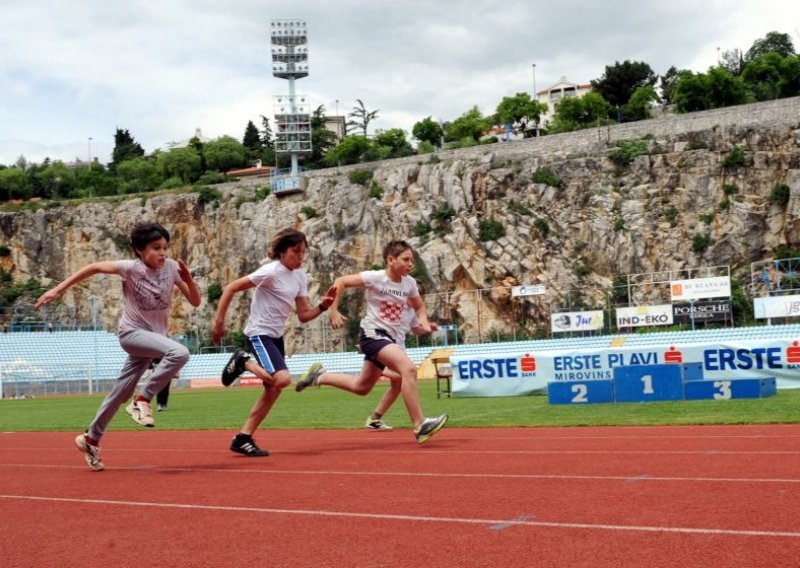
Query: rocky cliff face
x=596, y=220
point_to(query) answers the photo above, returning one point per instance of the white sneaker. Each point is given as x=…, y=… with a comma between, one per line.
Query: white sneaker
x=90, y=453
x=377, y=424
x=141, y=412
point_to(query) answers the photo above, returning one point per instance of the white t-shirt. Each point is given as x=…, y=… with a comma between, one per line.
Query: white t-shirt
x=408, y=321
x=277, y=288
x=146, y=295
x=386, y=302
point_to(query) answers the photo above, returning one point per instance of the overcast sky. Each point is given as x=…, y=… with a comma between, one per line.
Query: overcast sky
x=74, y=70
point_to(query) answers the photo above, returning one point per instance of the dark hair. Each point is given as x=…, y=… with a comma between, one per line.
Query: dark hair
x=395, y=248
x=144, y=233
x=284, y=240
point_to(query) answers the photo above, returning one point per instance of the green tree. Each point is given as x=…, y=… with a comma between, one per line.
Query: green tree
x=139, y=175
x=642, y=99
x=620, y=80
x=348, y=151
x=773, y=42
x=182, y=163
x=14, y=184
x=57, y=181
x=763, y=75
x=252, y=141
x=266, y=133
x=715, y=89
x=125, y=148
x=428, y=130
x=361, y=117
x=392, y=143
x=322, y=139
x=224, y=153
x=471, y=124
x=580, y=112
x=669, y=82
x=733, y=61
x=520, y=109
x=789, y=84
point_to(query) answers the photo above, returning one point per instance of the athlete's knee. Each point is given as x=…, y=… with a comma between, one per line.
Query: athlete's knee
x=178, y=355
x=281, y=379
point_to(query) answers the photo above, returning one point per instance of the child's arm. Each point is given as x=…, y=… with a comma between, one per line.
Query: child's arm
x=238, y=285
x=187, y=285
x=419, y=306
x=105, y=267
x=306, y=313
x=350, y=281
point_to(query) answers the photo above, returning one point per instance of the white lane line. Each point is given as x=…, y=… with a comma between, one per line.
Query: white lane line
x=633, y=478
x=413, y=518
x=431, y=451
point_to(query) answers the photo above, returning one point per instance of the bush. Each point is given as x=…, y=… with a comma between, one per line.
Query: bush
x=209, y=178
x=701, y=242
x=519, y=209
x=422, y=228
x=707, y=218
x=309, y=211
x=736, y=158
x=730, y=189
x=214, y=292
x=619, y=224
x=262, y=192
x=5, y=251
x=490, y=230
x=627, y=150
x=547, y=177
x=361, y=177
x=542, y=226
x=207, y=194
x=376, y=191
x=779, y=194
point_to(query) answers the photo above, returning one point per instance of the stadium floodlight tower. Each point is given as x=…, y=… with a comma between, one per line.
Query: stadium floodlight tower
x=289, y=39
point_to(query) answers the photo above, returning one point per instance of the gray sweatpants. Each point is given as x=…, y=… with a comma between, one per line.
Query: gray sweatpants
x=142, y=347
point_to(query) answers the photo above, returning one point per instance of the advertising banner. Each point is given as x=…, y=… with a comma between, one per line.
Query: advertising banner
x=531, y=290
x=702, y=312
x=700, y=288
x=526, y=373
x=776, y=307
x=576, y=321
x=640, y=316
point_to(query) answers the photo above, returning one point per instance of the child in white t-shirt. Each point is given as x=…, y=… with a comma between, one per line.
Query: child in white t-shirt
x=279, y=286
x=389, y=293
x=147, y=286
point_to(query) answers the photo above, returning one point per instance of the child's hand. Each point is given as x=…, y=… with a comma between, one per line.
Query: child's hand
x=329, y=298
x=49, y=296
x=336, y=318
x=183, y=271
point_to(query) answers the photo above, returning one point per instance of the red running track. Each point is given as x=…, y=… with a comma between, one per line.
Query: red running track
x=654, y=497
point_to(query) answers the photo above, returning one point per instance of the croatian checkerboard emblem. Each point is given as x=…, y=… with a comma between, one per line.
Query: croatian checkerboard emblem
x=391, y=311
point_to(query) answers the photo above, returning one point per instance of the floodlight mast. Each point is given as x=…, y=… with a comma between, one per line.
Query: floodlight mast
x=289, y=39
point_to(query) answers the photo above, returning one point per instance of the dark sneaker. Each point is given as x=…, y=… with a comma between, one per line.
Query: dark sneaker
x=311, y=378
x=91, y=453
x=235, y=367
x=377, y=424
x=141, y=412
x=245, y=445
x=429, y=427
x=161, y=407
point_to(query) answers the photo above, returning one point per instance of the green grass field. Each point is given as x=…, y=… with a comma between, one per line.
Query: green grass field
x=330, y=408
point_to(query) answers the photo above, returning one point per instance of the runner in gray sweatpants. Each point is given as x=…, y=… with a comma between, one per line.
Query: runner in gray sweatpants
x=147, y=286
x=142, y=347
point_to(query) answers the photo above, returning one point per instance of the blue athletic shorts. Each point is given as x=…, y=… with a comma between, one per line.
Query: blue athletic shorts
x=370, y=347
x=269, y=351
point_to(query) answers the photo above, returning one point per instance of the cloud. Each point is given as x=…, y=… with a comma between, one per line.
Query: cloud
x=161, y=70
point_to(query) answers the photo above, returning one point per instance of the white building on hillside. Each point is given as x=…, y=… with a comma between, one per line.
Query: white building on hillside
x=553, y=95
x=184, y=143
